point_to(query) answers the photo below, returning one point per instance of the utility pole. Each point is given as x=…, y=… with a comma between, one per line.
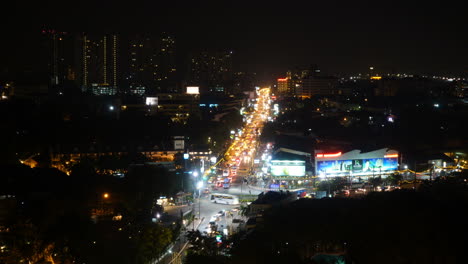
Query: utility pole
x=199, y=203
x=373, y=175
x=431, y=171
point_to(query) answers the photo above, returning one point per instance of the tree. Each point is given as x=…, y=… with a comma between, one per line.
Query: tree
x=152, y=242
x=201, y=244
x=26, y=243
x=376, y=181
x=393, y=179
x=334, y=184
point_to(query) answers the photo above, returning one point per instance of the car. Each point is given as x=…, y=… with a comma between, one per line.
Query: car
x=221, y=213
x=213, y=219
x=206, y=190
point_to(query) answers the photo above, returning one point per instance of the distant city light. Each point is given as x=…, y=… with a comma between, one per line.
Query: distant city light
x=193, y=90
x=151, y=101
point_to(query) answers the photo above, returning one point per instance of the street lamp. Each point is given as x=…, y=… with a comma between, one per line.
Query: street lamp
x=199, y=187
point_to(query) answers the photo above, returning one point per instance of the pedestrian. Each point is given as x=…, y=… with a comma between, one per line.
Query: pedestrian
x=250, y=192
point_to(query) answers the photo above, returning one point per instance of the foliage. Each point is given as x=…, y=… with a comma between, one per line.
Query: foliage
x=152, y=242
x=393, y=179
x=376, y=181
x=27, y=244
x=202, y=245
x=397, y=227
x=244, y=209
x=144, y=185
x=334, y=184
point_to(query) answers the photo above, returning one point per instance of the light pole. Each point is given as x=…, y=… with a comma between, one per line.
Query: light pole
x=199, y=187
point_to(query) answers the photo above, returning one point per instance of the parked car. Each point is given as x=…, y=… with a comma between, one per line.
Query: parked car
x=237, y=221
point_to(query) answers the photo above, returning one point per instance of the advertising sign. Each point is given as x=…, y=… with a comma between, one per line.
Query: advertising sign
x=193, y=90
x=151, y=101
x=357, y=166
x=288, y=168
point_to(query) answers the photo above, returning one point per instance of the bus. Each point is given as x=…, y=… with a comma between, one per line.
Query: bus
x=223, y=198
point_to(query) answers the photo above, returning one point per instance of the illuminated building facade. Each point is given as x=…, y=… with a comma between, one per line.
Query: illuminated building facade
x=141, y=65
x=151, y=65
x=355, y=163
x=308, y=87
x=212, y=71
x=99, y=61
x=282, y=85
x=165, y=71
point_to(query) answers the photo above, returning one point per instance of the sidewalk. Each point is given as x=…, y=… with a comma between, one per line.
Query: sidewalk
x=179, y=246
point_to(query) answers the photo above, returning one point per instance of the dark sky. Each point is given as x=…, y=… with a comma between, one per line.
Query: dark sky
x=268, y=37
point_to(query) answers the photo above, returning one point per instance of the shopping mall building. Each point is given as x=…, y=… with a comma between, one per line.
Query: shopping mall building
x=355, y=163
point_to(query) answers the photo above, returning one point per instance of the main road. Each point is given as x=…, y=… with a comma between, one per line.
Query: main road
x=238, y=161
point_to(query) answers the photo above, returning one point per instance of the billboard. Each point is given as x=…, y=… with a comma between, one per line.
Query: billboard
x=288, y=168
x=193, y=90
x=179, y=142
x=356, y=166
x=151, y=101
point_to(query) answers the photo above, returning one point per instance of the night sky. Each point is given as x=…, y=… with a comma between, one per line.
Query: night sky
x=339, y=36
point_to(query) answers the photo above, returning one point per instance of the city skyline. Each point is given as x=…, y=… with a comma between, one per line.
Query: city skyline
x=270, y=39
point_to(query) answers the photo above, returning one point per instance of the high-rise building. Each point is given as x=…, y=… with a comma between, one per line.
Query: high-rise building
x=165, y=71
x=151, y=65
x=141, y=65
x=99, y=63
x=243, y=81
x=62, y=62
x=283, y=86
x=212, y=71
x=322, y=85
x=305, y=83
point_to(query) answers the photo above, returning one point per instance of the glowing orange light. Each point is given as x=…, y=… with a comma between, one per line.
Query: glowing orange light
x=329, y=155
x=282, y=79
x=332, y=155
x=376, y=77
x=391, y=156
